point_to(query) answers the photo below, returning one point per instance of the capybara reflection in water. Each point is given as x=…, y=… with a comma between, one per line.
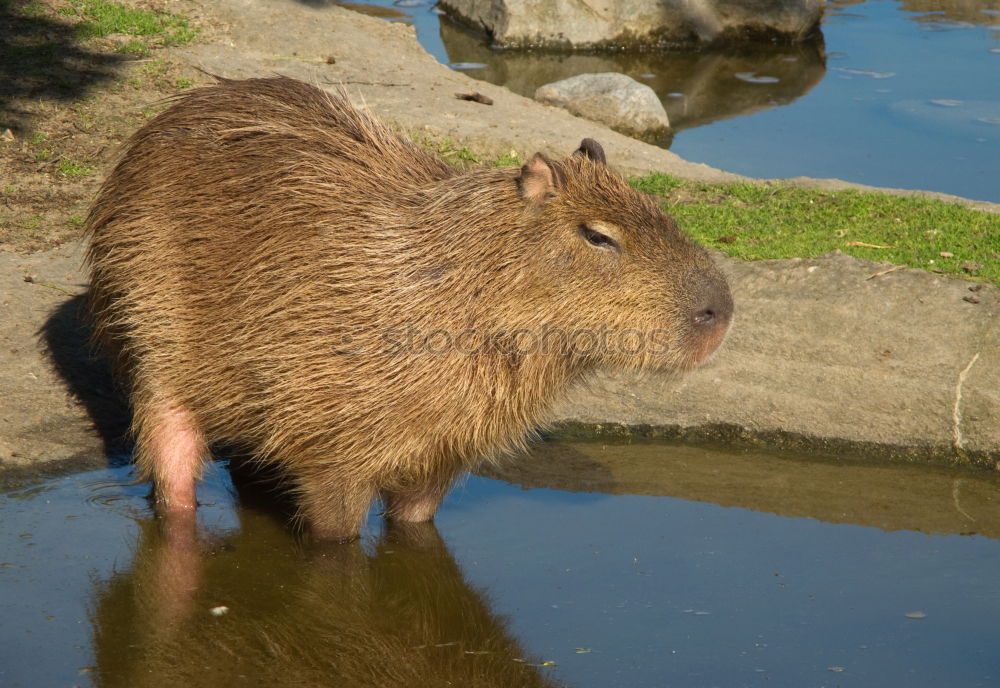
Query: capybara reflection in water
x=273, y=268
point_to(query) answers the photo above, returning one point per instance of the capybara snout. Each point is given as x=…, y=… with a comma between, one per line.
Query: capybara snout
x=272, y=267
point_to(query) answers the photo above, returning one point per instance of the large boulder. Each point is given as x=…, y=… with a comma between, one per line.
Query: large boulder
x=635, y=23
x=616, y=100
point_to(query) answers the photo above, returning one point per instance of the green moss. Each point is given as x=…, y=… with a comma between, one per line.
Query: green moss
x=776, y=220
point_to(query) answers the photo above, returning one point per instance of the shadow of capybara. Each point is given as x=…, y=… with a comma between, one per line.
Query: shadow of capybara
x=65, y=339
x=274, y=268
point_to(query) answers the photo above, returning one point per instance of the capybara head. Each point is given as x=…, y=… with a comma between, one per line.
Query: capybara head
x=616, y=282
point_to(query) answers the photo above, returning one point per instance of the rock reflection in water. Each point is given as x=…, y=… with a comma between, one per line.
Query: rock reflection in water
x=889, y=496
x=696, y=87
x=397, y=613
x=983, y=12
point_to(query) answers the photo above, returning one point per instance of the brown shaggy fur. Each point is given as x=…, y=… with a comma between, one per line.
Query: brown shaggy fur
x=266, y=261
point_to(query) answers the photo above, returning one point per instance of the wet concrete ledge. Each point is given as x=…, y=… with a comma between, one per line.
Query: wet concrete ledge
x=775, y=442
x=825, y=355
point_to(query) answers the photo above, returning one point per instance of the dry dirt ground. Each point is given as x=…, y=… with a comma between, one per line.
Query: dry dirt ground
x=65, y=107
x=821, y=357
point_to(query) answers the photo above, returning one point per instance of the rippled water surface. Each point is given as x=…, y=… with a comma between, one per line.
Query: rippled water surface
x=648, y=565
x=898, y=94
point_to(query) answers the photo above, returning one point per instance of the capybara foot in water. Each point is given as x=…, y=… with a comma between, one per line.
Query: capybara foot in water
x=275, y=269
x=171, y=435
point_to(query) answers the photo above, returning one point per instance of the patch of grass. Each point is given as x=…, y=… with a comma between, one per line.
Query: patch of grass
x=154, y=68
x=32, y=10
x=41, y=153
x=136, y=48
x=10, y=189
x=773, y=220
x=74, y=168
x=656, y=183
x=102, y=18
x=512, y=159
x=184, y=83
x=33, y=222
x=76, y=220
x=447, y=150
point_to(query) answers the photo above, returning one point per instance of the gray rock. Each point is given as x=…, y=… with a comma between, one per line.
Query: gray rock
x=616, y=100
x=635, y=23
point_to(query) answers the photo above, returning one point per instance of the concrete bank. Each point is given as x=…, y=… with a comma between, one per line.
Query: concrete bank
x=825, y=354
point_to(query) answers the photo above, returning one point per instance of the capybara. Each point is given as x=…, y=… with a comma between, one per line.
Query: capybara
x=275, y=269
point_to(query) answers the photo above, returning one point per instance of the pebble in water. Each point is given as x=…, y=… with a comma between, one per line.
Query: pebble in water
x=865, y=72
x=754, y=78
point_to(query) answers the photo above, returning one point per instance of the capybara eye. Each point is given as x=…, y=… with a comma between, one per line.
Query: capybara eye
x=598, y=239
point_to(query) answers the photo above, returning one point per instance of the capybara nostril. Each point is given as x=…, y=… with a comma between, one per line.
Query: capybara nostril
x=714, y=304
x=704, y=317
x=711, y=314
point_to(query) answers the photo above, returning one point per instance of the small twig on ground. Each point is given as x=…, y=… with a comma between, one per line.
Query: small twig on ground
x=475, y=97
x=864, y=245
x=364, y=83
x=31, y=280
x=293, y=58
x=885, y=272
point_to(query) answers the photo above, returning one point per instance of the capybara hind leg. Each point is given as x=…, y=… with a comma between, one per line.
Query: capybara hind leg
x=171, y=449
x=416, y=504
x=334, y=515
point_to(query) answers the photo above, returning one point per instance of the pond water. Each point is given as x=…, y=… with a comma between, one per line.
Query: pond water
x=896, y=94
x=601, y=565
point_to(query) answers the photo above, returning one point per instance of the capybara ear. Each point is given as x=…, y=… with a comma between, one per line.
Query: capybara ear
x=540, y=178
x=589, y=148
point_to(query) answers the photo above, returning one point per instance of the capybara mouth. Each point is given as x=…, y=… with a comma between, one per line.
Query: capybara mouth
x=705, y=342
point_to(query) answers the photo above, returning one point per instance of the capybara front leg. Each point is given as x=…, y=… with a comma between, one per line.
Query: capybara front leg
x=170, y=449
x=418, y=503
x=335, y=515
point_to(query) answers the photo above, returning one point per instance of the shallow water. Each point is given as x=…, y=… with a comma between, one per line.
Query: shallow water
x=522, y=586
x=898, y=94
